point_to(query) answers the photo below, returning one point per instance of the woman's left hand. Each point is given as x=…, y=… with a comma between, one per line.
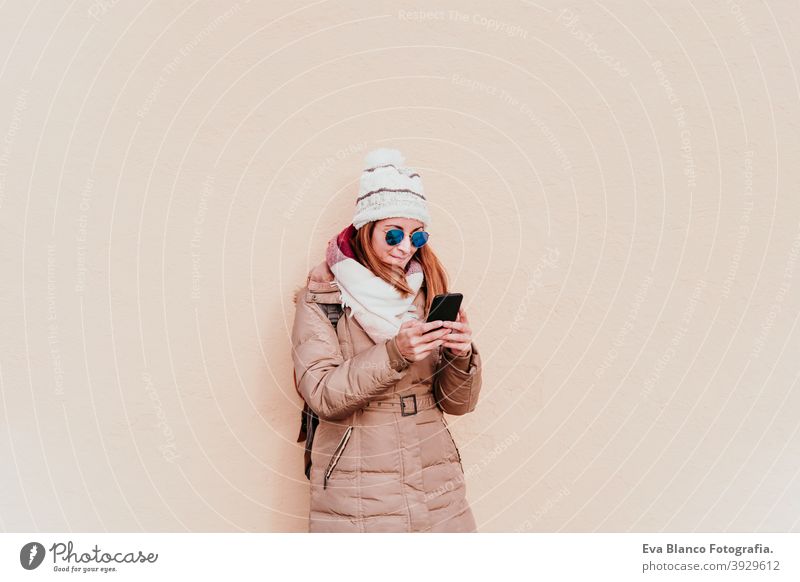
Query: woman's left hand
x=459, y=340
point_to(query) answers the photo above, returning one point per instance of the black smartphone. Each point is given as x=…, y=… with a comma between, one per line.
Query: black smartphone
x=445, y=307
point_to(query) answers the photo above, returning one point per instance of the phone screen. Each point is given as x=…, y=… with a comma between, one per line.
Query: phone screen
x=445, y=307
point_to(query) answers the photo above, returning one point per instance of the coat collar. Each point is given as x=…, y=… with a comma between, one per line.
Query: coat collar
x=322, y=286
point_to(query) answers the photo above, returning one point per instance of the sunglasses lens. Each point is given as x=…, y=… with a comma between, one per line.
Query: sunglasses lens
x=419, y=238
x=394, y=236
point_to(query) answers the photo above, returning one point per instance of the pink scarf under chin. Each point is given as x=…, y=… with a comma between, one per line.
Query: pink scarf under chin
x=376, y=305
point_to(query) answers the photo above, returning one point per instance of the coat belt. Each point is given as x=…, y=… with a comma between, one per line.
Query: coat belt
x=406, y=404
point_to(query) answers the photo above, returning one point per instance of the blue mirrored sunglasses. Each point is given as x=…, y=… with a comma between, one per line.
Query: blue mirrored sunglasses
x=395, y=237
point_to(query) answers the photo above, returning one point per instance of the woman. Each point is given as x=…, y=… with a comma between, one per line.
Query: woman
x=382, y=458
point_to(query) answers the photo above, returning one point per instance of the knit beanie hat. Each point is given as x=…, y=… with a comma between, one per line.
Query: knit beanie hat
x=389, y=189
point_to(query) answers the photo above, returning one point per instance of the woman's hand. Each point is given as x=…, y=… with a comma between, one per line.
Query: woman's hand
x=416, y=341
x=460, y=339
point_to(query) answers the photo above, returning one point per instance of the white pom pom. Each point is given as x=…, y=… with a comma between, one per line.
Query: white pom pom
x=383, y=156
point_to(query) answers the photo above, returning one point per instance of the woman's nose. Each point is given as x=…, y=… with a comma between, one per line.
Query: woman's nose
x=405, y=245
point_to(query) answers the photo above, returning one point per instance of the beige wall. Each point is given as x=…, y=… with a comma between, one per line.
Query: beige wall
x=613, y=188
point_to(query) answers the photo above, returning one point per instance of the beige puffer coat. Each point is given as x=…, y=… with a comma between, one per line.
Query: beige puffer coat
x=377, y=466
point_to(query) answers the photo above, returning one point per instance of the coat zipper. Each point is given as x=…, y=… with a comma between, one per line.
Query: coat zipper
x=337, y=453
x=455, y=446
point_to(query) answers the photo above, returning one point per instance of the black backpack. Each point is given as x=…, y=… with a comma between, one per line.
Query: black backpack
x=309, y=419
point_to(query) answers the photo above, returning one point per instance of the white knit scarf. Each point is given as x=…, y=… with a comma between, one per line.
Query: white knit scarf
x=375, y=304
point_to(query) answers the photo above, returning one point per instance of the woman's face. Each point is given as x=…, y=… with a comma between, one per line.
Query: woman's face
x=398, y=254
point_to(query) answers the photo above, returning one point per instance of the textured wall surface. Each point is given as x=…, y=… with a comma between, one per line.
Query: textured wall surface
x=614, y=189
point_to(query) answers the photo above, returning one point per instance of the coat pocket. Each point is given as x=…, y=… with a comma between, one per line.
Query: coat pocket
x=452, y=440
x=337, y=454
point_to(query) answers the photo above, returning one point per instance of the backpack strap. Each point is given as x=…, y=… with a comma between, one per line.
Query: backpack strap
x=309, y=419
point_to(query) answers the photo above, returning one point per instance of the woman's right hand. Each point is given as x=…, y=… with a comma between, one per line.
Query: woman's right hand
x=416, y=341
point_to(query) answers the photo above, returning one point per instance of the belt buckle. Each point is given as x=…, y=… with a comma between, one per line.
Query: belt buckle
x=403, y=405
